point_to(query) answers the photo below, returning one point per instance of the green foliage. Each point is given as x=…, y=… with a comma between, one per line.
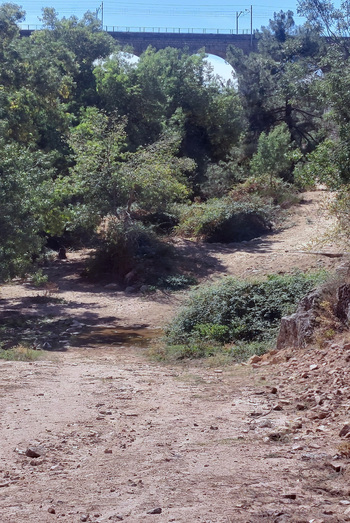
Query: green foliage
x=320, y=166
x=239, y=311
x=279, y=193
x=150, y=92
x=274, y=155
x=220, y=178
x=108, y=180
x=126, y=246
x=213, y=332
x=279, y=83
x=175, y=282
x=38, y=278
x=20, y=353
x=225, y=220
x=25, y=176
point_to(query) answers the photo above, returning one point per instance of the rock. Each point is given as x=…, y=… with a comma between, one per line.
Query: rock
x=35, y=462
x=301, y=406
x=275, y=436
x=108, y=451
x=51, y=510
x=277, y=407
x=84, y=517
x=297, y=329
x=157, y=510
x=35, y=452
x=113, y=286
x=344, y=431
x=254, y=359
x=212, y=427
x=130, y=289
x=273, y=390
x=131, y=277
x=313, y=366
x=290, y=496
x=62, y=253
x=337, y=467
x=341, y=308
x=264, y=424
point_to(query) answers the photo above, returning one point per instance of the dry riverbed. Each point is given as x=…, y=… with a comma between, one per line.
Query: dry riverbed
x=97, y=432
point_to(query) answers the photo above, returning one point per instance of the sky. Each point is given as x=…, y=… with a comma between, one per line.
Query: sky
x=172, y=14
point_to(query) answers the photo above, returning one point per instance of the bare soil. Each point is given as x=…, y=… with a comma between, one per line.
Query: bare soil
x=122, y=438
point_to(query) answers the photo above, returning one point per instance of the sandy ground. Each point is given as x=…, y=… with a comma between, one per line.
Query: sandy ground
x=120, y=438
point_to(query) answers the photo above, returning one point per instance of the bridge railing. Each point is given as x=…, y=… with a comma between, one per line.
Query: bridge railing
x=127, y=29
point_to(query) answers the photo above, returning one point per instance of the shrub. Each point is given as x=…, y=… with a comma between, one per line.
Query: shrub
x=176, y=282
x=19, y=353
x=239, y=311
x=274, y=157
x=280, y=193
x=126, y=245
x=226, y=220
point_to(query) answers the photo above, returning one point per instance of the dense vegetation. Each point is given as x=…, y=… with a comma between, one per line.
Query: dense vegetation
x=236, y=318
x=98, y=150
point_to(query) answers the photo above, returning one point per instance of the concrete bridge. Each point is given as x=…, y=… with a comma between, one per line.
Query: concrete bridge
x=215, y=43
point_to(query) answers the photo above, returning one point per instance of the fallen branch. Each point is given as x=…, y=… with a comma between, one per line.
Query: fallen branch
x=318, y=253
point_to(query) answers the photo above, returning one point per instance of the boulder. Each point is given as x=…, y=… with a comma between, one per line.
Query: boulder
x=297, y=329
x=342, y=305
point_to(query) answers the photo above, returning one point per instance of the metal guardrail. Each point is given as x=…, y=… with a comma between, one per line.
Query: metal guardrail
x=170, y=30
x=178, y=30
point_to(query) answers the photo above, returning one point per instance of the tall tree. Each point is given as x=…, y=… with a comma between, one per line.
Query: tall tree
x=279, y=82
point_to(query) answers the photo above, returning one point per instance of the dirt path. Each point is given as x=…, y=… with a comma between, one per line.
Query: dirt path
x=120, y=437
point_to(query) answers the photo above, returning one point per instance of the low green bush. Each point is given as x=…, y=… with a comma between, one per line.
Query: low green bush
x=245, y=313
x=126, y=245
x=226, y=220
x=176, y=282
x=20, y=353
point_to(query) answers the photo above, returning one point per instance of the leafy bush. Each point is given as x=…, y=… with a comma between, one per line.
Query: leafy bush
x=226, y=220
x=19, y=353
x=38, y=278
x=176, y=282
x=320, y=166
x=279, y=193
x=239, y=311
x=210, y=331
x=220, y=178
x=125, y=246
x=274, y=157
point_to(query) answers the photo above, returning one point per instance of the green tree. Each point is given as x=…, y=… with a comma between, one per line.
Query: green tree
x=26, y=182
x=163, y=85
x=274, y=157
x=85, y=40
x=107, y=180
x=280, y=82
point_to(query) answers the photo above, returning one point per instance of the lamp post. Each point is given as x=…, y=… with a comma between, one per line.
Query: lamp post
x=100, y=9
x=238, y=14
